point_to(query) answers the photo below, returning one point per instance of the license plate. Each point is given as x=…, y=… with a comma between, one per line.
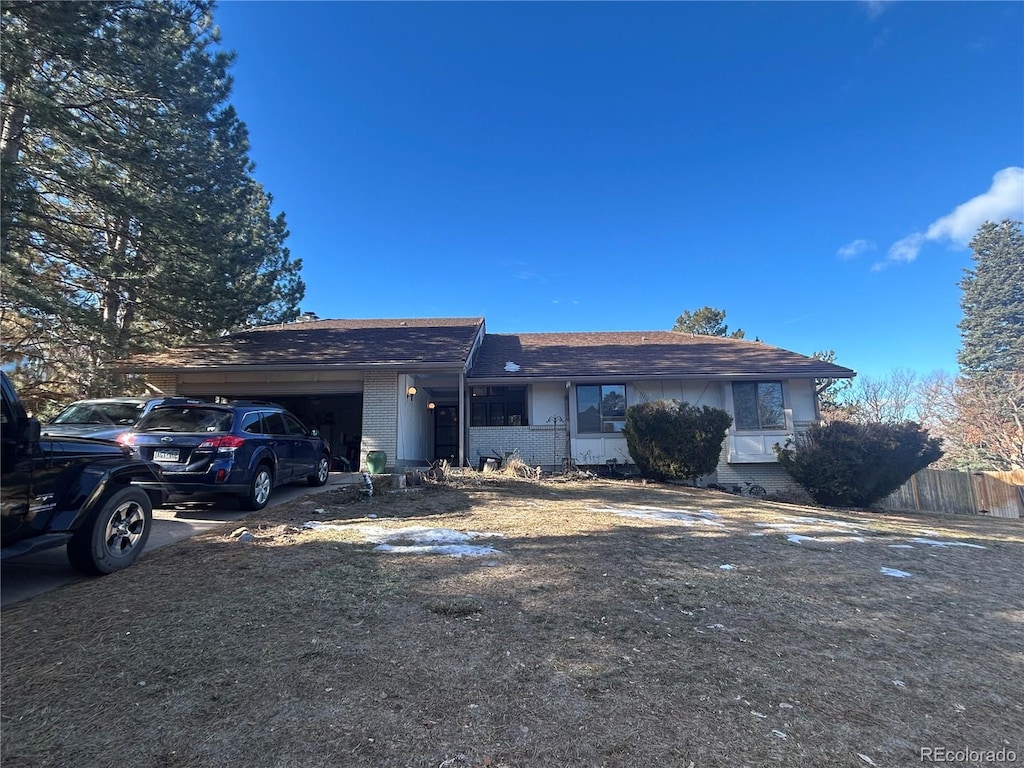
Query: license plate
x=164, y=454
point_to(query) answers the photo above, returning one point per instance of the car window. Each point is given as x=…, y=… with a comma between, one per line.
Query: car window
x=274, y=424
x=294, y=426
x=124, y=414
x=186, y=420
x=81, y=413
x=251, y=423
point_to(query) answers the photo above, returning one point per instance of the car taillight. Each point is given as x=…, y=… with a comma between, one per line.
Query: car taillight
x=126, y=439
x=223, y=442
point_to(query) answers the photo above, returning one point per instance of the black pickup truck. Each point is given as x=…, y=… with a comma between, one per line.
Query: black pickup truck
x=59, y=491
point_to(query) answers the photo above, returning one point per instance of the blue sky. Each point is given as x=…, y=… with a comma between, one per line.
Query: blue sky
x=814, y=169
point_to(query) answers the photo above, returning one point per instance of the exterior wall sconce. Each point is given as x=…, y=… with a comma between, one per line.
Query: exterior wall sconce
x=410, y=392
x=430, y=406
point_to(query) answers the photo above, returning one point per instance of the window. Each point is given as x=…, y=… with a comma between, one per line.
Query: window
x=293, y=426
x=251, y=423
x=758, y=405
x=273, y=424
x=600, y=408
x=497, y=407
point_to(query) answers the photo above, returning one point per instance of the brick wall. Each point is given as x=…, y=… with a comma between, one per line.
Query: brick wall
x=772, y=477
x=541, y=445
x=380, y=416
x=166, y=383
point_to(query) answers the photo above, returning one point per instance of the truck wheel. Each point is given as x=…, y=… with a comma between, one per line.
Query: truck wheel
x=259, y=489
x=114, y=534
x=323, y=469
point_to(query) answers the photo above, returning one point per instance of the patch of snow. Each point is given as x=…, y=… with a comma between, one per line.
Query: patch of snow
x=315, y=525
x=727, y=567
x=895, y=572
x=796, y=538
x=511, y=367
x=419, y=534
x=419, y=540
x=937, y=543
x=901, y=546
x=780, y=734
x=451, y=550
x=758, y=714
x=899, y=683
x=866, y=759
x=685, y=516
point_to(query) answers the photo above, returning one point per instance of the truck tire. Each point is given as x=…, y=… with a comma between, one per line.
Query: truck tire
x=260, y=486
x=114, y=534
x=323, y=469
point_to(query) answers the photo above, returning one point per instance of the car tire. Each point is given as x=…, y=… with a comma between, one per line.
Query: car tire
x=323, y=469
x=260, y=486
x=114, y=534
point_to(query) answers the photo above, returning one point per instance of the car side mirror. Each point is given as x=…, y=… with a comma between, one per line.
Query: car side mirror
x=32, y=430
x=314, y=433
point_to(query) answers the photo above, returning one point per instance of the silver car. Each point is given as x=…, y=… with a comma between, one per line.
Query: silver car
x=104, y=418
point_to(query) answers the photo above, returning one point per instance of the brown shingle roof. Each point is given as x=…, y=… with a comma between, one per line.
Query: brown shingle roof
x=380, y=343
x=640, y=353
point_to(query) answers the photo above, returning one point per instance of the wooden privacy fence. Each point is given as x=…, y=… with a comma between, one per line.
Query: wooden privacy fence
x=1000, y=494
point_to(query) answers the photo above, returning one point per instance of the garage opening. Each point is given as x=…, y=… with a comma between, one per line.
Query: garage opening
x=339, y=419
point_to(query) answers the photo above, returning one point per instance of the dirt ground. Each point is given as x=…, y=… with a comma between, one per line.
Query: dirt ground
x=593, y=623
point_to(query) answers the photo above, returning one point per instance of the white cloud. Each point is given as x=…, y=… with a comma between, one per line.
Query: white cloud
x=874, y=8
x=1003, y=200
x=854, y=249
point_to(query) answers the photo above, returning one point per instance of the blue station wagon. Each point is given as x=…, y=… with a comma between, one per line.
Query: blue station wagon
x=245, y=449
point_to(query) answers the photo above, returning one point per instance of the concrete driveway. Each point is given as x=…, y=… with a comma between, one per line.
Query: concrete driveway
x=183, y=516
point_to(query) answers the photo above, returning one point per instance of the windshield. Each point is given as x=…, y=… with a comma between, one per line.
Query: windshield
x=122, y=414
x=186, y=420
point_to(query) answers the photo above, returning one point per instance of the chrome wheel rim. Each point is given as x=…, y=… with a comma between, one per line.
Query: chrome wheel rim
x=125, y=529
x=322, y=469
x=261, y=487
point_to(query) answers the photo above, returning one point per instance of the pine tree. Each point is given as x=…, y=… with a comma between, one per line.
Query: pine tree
x=131, y=219
x=706, y=321
x=993, y=301
x=990, y=390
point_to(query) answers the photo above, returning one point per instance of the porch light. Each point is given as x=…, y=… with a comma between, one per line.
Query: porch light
x=430, y=406
x=410, y=392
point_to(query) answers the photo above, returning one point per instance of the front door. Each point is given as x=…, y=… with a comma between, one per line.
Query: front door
x=446, y=433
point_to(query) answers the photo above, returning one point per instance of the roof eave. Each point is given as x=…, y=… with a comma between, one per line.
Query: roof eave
x=454, y=366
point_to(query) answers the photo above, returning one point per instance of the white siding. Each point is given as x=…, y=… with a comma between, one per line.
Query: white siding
x=414, y=438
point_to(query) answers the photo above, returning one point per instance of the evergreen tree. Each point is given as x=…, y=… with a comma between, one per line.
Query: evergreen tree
x=993, y=301
x=131, y=219
x=990, y=390
x=706, y=321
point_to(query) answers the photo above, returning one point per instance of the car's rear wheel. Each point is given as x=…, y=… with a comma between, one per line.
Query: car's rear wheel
x=259, y=489
x=114, y=534
x=323, y=469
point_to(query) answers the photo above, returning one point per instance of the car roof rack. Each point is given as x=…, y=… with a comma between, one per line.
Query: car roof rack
x=258, y=403
x=181, y=401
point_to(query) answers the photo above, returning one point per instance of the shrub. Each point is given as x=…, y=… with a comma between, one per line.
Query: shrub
x=668, y=439
x=843, y=464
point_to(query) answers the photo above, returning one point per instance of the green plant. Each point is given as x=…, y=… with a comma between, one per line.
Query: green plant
x=843, y=464
x=672, y=440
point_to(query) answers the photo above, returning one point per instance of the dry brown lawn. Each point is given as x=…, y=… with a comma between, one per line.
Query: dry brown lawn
x=604, y=631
